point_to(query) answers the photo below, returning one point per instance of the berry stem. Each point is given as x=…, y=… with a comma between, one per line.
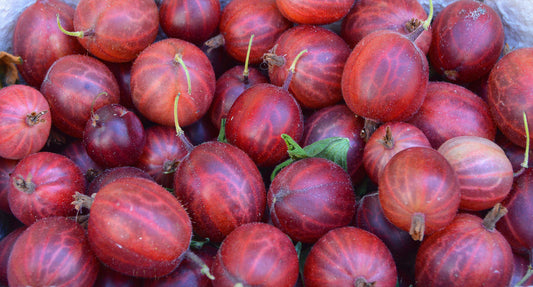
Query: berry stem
x=179, y=59
x=271, y=59
x=418, y=226
x=388, y=140
x=35, y=118
x=246, y=72
x=525, y=164
x=361, y=282
x=497, y=212
x=25, y=185
x=292, y=70
x=82, y=200
x=78, y=34
x=179, y=131
x=215, y=42
x=425, y=25
x=529, y=272
x=369, y=127
x=176, y=121
x=198, y=261
x=95, y=117
x=526, y=155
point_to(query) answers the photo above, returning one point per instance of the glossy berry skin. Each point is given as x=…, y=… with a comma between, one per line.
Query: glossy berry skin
x=385, y=77
x=257, y=120
x=74, y=85
x=201, y=131
x=450, y=110
x=78, y=154
x=242, y=18
x=37, y=52
x=419, y=183
x=229, y=87
x=465, y=253
x=467, y=41
x=513, y=152
x=62, y=256
x=138, y=228
x=338, y=121
x=110, y=278
x=7, y=166
x=521, y=266
x=402, y=16
x=25, y=121
x=6, y=246
x=508, y=96
x=370, y=217
x=188, y=273
x=111, y=174
x=516, y=224
x=383, y=145
x=114, y=136
x=190, y=20
x=157, y=78
x=42, y=185
x=107, y=39
x=346, y=256
x=122, y=73
x=221, y=188
x=314, y=12
x=162, y=153
x=220, y=59
x=310, y=197
x=256, y=254
x=484, y=172
x=316, y=82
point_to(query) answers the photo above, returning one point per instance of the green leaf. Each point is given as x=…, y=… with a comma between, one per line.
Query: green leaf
x=362, y=188
x=333, y=148
x=279, y=167
x=298, y=247
x=198, y=242
x=222, y=133
x=294, y=150
x=302, y=256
